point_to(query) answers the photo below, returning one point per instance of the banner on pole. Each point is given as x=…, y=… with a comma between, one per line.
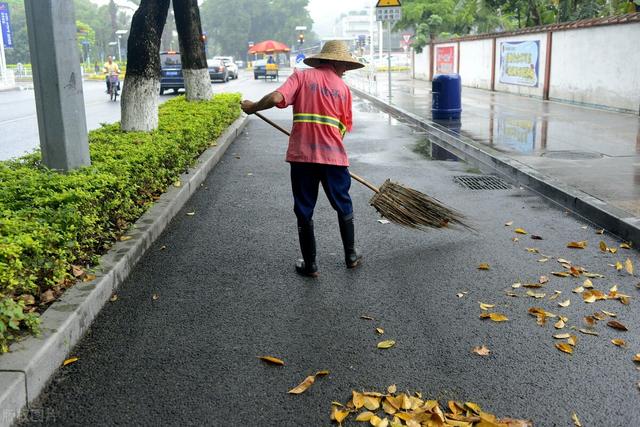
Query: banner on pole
x=5, y=25
x=519, y=62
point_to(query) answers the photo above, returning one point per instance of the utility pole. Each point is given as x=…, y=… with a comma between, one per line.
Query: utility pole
x=57, y=84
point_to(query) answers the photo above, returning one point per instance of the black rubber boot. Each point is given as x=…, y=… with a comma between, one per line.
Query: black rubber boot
x=351, y=256
x=307, y=266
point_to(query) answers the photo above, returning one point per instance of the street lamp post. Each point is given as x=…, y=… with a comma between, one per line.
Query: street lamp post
x=120, y=33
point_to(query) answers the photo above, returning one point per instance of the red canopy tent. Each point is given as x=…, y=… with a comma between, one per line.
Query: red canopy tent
x=269, y=47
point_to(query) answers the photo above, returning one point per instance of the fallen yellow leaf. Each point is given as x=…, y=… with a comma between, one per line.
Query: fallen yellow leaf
x=372, y=403
x=191, y=213
x=608, y=313
x=365, y=416
x=69, y=361
x=543, y=280
x=564, y=347
x=520, y=231
x=380, y=331
x=303, y=386
x=618, y=342
x=392, y=389
x=588, y=332
x=386, y=344
x=618, y=265
x=636, y=358
x=366, y=318
x=508, y=223
x=155, y=297
x=588, y=297
x=593, y=275
x=600, y=231
x=339, y=415
x=114, y=298
x=177, y=184
x=572, y=340
x=536, y=294
x=483, y=266
x=357, y=399
x=497, y=317
x=322, y=373
x=272, y=360
x=481, y=351
x=565, y=303
x=603, y=246
x=559, y=324
x=561, y=273
x=125, y=238
x=576, y=421
x=563, y=261
x=484, y=306
x=617, y=325
x=578, y=290
x=587, y=284
x=628, y=266
x=561, y=336
x=577, y=245
x=625, y=246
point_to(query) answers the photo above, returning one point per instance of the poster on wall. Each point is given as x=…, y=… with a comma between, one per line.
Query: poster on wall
x=444, y=60
x=519, y=63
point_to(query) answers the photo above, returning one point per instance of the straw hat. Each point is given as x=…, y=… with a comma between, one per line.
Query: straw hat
x=335, y=50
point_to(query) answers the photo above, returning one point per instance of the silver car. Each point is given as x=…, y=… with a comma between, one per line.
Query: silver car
x=230, y=64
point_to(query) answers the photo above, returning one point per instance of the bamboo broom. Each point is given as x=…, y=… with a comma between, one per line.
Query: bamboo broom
x=404, y=206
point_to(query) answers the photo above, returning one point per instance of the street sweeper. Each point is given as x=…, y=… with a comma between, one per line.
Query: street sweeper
x=321, y=117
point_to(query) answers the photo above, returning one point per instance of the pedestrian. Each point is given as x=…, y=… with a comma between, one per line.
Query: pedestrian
x=321, y=117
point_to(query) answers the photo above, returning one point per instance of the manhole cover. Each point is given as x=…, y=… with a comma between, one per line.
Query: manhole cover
x=481, y=182
x=572, y=155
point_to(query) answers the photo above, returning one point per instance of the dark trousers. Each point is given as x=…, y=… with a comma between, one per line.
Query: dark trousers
x=305, y=181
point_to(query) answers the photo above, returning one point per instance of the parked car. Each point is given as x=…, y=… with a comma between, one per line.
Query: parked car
x=230, y=64
x=217, y=70
x=170, y=72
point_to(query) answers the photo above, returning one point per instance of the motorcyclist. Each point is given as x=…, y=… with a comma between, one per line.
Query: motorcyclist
x=110, y=69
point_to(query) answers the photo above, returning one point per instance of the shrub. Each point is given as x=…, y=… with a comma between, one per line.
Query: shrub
x=52, y=222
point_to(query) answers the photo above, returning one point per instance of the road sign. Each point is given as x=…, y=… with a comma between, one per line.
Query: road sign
x=5, y=24
x=388, y=3
x=406, y=37
x=388, y=10
x=299, y=58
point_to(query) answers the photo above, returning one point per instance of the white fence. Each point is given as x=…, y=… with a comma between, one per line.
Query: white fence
x=592, y=62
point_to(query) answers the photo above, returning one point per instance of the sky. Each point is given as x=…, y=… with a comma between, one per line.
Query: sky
x=325, y=12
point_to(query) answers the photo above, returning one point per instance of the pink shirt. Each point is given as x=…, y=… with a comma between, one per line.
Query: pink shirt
x=321, y=116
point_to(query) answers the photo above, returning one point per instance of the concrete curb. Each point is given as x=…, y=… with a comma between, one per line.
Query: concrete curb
x=597, y=211
x=27, y=369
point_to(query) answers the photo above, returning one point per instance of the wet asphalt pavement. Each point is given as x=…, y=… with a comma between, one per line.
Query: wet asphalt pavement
x=227, y=292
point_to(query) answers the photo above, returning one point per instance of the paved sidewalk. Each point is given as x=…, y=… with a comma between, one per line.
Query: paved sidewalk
x=226, y=292
x=595, y=151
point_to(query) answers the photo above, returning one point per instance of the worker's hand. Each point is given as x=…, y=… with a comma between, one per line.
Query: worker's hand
x=248, y=106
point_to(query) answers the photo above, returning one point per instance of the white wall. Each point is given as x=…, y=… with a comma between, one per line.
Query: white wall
x=435, y=55
x=475, y=63
x=421, y=64
x=599, y=66
x=523, y=90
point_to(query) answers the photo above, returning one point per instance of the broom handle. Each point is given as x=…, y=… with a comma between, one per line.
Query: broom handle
x=360, y=179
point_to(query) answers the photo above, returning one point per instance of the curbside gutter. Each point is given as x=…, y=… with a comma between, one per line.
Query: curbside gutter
x=597, y=211
x=27, y=369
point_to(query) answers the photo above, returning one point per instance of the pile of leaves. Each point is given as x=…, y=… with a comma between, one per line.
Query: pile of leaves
x=55, y=226
x=394, y=409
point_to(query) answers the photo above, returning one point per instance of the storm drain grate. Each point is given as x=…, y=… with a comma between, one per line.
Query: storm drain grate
x=481, y=182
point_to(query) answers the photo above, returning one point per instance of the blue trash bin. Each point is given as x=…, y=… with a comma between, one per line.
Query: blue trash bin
x=446, y=96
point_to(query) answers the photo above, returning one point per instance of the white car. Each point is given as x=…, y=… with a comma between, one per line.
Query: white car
x=230, y=64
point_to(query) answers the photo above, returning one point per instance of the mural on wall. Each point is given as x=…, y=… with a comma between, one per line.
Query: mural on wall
x=519, y=63
x=444, y=60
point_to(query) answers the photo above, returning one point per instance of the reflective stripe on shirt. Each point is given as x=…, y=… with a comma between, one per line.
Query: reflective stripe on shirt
x=321, y=120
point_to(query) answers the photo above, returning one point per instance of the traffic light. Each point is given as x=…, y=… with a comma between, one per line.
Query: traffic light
x=301, y=38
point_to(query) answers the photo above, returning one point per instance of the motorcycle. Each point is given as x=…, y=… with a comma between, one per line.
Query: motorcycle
x=114, y=87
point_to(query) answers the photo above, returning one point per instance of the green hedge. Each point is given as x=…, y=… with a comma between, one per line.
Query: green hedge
x=52, y=221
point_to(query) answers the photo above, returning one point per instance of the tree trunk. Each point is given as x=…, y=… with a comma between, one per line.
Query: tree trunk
x=142, y=83
x=197, y=82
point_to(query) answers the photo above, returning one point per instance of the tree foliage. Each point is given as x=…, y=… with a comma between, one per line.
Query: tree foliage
x=231, y=28
x=97, y=19
x=441, y=19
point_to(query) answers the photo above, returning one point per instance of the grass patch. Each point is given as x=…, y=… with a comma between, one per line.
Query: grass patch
x=55, y=226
